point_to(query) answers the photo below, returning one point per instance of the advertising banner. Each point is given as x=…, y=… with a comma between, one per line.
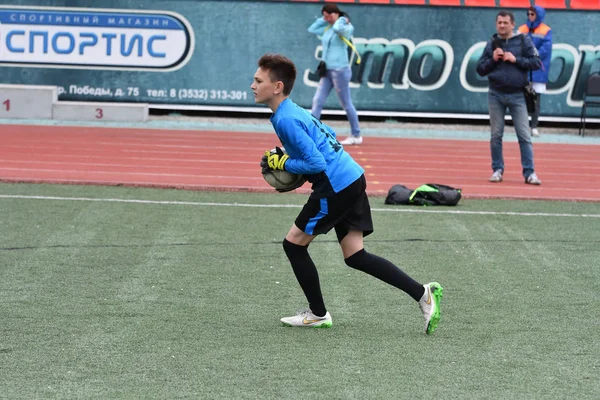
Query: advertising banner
x=203, y=54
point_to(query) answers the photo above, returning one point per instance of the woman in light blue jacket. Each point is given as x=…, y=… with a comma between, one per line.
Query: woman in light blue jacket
x=331, y=27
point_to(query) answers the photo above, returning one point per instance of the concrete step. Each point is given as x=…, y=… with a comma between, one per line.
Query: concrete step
x=27, y=101
x=92, y=111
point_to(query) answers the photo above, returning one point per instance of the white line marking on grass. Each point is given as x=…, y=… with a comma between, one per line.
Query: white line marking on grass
x=521, y=214
x=181, y=203
x=208, y=204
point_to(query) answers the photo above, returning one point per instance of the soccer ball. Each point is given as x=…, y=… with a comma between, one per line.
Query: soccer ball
x=282, y=180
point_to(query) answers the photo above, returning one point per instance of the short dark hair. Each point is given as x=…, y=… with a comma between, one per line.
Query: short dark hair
x=504, y=13
x=281, y=69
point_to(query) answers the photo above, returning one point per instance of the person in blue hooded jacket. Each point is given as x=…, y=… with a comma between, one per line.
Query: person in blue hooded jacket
x=541, y=35
x=333, y=27
x=506, y=61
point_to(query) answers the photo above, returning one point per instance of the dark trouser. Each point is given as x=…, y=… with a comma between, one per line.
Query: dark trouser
x=536, y=114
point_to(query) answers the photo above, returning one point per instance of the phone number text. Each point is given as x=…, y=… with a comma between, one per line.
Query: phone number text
x=204, y=94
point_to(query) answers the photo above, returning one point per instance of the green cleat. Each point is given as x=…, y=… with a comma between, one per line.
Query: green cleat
x=430, y=305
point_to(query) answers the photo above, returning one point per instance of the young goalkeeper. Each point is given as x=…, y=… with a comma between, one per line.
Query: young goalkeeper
x=338, y=199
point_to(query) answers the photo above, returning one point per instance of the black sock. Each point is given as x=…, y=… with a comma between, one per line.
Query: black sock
x=384, y=270
x=307, y=276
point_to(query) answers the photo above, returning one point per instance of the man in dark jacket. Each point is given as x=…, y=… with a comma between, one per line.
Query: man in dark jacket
x=506, y=61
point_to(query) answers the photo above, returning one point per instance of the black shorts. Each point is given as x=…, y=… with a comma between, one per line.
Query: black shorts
x=345, y=211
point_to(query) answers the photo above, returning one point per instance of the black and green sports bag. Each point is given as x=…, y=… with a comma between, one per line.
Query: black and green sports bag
x=430, y=194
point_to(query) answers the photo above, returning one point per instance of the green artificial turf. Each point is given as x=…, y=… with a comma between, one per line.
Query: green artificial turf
x=181, y=298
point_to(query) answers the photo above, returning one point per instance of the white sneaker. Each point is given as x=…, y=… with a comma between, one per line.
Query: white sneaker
x=307, y=319
x=533, y=179
x=496, y=176
x=350, y=140
x=535, y=132
x=430, y=305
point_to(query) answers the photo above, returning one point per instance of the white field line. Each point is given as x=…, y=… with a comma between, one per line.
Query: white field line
x=208, y=204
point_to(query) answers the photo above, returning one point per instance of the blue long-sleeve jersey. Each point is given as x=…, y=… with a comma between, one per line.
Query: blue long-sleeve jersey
x=314, y=150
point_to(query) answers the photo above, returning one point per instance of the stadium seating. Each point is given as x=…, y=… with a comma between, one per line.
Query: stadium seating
x=585, y=4
x=444, y=2
x=555, y=4
x=515, y=3
x=480, y=3
x=421, y=2
x=548, y=4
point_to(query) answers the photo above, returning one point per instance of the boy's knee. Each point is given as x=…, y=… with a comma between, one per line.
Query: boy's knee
x=357, y=260
x=292, y=249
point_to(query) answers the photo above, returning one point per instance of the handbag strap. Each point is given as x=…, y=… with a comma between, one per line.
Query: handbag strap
x=349, y=43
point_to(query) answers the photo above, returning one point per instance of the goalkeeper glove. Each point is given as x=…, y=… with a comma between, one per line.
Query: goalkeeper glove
x=274, y=161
